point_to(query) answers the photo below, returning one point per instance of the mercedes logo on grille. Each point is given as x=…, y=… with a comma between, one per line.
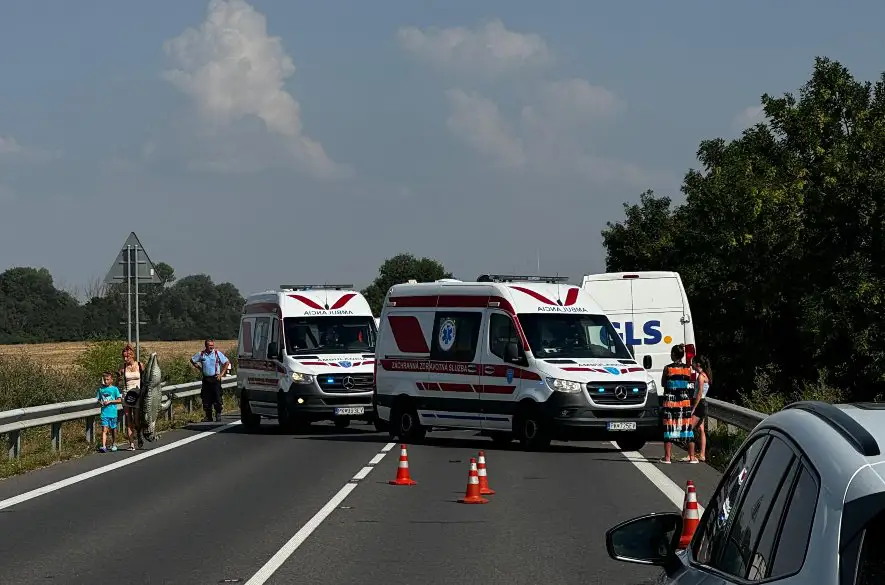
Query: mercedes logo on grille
x=348, y=383
x=621, y=393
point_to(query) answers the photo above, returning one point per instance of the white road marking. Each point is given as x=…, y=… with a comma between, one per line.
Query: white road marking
x=53, y=487
x=377, y=459
x=658, y=478
x=276, y=561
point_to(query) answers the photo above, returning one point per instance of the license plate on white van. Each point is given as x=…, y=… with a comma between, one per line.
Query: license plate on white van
x=622, y=426
x=348, y=410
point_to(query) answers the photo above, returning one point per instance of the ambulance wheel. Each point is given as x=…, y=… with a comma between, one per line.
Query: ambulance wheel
x=404, y=423
x=250, y=420
x=530, y=428
x=631, y=444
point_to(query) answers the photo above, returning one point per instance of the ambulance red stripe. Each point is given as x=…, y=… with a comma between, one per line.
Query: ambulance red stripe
x=343, y=300
x=456, y=368
x=408, y=334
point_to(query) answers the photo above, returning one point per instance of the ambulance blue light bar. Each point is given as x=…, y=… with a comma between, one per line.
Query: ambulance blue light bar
x=316, y=286
x=520, y=278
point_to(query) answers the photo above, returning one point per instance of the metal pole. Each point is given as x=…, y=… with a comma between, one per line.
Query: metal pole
x=129, y=292
x=137, y=317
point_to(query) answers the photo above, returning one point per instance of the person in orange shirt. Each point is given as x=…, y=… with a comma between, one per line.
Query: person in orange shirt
x=677, y=407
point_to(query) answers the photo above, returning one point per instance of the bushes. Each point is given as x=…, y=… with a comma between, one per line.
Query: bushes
x=27, y=381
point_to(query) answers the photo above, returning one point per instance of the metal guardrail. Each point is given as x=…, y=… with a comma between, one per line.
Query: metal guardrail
x=13, y=422
x=733, y=415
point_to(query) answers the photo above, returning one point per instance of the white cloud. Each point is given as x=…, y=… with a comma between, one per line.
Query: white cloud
x=578, y=100
x=749, y=117
x=10, y=148
x=489, y=49
x=232, y=68
x=478, y=121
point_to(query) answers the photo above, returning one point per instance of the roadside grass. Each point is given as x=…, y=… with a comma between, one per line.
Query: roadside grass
x=26, y=381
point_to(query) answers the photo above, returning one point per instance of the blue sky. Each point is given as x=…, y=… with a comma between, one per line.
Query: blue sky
x=283, y=140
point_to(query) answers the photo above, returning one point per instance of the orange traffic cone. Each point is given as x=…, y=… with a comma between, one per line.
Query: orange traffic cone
x=690, y=515
x=402, y=472
x=473, y=496
x=484, y=488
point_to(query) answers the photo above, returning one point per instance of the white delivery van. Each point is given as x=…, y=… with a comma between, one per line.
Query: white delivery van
x=650, y=312
x=306, y=353
x=519, y=357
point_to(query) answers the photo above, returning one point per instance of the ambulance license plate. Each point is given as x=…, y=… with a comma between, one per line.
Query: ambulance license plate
x=346, y=410
x=622, y=426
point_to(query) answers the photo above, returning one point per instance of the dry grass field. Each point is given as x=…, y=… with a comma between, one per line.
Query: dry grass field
x=61, y=355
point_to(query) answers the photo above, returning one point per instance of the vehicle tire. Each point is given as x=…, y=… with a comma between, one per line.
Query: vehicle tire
x=531, y=428
x=501, y=438
x=342, y=423
x=251, y=421
x=631, y=443
x=404, y=423
x=288, y=421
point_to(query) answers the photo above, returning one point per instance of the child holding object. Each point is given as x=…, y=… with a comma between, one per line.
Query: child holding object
x=109, y=397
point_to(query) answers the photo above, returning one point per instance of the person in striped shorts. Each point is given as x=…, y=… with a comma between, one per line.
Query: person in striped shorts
x=676, y=382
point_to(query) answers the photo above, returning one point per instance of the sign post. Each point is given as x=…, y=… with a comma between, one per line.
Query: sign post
x=134, y=268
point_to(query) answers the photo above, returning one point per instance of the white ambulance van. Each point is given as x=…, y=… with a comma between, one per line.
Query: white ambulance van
x=649, y=310
x=306, y=353
x=522, y=357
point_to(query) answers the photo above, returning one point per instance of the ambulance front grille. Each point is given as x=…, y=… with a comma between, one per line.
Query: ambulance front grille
x=606, y=393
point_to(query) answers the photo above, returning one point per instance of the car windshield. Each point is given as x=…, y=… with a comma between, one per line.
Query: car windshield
x=572, y=336
x=305, y=335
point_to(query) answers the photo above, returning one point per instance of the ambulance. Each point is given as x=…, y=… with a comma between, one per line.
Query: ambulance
x=650, y=312
x=306, y=353
x=530, y=358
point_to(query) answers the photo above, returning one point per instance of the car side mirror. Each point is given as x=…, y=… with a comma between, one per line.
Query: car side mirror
x=646, y=362
x=511, y=352
x=646, y=540
x=273, y=350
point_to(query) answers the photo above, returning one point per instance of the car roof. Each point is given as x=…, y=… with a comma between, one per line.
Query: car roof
x=844, y=442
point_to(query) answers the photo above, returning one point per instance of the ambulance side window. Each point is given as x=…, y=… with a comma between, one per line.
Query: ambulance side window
x=259, y=341
x=244, y=348
x=455, y=336
x=501, y=332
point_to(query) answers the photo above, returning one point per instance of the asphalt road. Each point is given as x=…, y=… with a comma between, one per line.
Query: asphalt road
x=238, y=508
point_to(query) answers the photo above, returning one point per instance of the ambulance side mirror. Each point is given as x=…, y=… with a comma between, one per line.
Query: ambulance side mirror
x=511, y=353
x=273, y=350
x=646, y=362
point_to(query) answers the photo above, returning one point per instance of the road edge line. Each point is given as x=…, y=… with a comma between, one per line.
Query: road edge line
x=658, y=478
x=74, y=479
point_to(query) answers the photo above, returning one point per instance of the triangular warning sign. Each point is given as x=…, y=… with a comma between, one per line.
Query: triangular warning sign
x=132, y=259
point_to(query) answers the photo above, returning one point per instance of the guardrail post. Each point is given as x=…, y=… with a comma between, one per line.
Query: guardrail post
x=90, y=429
x=56, y=437
x=169, y=411
x=15, y=444
x=189, y=404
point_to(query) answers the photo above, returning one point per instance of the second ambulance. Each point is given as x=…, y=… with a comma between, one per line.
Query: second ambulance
x=530, y=358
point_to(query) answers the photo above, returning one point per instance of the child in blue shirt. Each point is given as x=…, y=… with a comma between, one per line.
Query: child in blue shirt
x=109, y=396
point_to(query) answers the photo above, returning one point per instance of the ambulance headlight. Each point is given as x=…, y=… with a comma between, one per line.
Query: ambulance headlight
x=564, y=385
x=300, y=378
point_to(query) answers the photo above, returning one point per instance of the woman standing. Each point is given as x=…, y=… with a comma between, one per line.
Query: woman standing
x=701, y=365
x=677, y=404
x=129, y=381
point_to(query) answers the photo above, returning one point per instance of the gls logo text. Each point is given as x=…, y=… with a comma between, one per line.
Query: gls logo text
x=651, y=329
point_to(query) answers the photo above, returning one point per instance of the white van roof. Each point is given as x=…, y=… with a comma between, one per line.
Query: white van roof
x=628, y=275
x=510, y=294
x=309, y=301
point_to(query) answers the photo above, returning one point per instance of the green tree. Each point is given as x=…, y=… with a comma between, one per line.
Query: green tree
x=399, y=269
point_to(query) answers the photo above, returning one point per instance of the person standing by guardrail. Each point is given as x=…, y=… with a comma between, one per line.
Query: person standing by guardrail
x=677, y=409
x=130, y=376
x=213, y=365
x=109, y=397
x=701, y=365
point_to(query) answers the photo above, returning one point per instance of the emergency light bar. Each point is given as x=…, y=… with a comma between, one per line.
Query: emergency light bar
x=316, y=286
x=520, y=278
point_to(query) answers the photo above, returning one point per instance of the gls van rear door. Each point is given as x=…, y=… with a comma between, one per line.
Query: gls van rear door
x=657, y=320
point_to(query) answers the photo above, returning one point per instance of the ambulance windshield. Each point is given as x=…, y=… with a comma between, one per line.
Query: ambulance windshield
x=572, y=336
x=334, y=334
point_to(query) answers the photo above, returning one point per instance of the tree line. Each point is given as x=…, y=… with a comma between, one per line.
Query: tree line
x=34, y=310
x=781, y=244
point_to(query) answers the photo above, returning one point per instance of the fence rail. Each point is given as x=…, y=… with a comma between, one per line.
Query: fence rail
x=13, y=422
x=733, y=415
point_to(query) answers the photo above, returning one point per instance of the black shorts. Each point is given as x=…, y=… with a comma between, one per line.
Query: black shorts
x=701, y=410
